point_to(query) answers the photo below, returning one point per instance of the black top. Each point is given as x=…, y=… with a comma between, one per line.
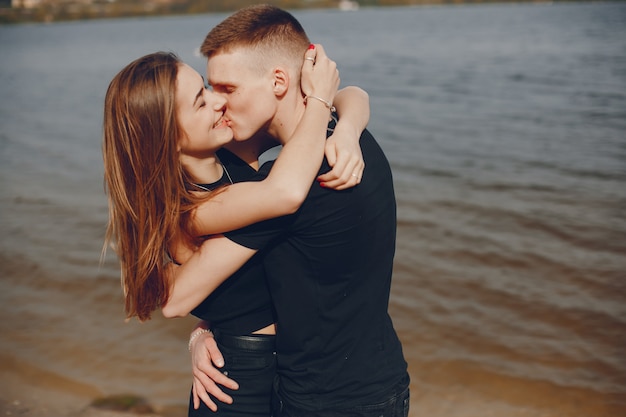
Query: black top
x=329, y=267
x=242, y=304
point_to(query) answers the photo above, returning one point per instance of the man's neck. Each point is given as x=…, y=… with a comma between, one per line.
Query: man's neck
x=280, y=130
x=288, y=115
x=250, y=150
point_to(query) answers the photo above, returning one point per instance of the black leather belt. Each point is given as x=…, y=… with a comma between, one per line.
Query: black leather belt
x=257, y=342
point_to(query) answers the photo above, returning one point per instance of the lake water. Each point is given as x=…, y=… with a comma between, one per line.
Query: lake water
x=506, y=129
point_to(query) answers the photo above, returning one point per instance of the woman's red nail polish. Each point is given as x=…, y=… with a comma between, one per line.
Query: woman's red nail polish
x=323, y=184
x=311, y=46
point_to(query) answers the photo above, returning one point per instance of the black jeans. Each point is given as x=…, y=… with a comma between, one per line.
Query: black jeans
x=397, y=405
x=251, y=361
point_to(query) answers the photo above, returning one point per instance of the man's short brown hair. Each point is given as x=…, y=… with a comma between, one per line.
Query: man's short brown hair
x=268, y=30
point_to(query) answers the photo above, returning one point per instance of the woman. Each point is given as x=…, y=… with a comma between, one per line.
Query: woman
x=162, y=129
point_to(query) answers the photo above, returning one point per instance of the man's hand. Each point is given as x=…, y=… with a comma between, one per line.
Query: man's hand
x=345, y=157
x=205, y=357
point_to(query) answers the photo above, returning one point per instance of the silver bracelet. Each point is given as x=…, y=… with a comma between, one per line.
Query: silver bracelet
x=195, y=335
x=328, y=104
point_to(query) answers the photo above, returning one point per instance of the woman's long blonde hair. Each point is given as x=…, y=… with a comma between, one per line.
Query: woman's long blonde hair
x=144, y=179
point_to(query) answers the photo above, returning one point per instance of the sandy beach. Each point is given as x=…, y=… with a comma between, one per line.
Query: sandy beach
x=31, y=392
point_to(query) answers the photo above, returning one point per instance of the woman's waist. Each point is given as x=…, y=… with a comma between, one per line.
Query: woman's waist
x=242, y=323
x=252, y=342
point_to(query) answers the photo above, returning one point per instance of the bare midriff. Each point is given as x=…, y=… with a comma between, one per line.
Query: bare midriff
x=271, y=329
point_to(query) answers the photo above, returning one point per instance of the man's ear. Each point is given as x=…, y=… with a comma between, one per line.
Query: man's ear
x=281, y=81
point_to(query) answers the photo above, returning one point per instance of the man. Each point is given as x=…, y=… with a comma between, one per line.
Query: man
x=329, y=266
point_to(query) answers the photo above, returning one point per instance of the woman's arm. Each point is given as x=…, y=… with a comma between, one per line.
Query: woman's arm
x=290, y=179
x=343, y=151
x=353, y=109
x=215, y=260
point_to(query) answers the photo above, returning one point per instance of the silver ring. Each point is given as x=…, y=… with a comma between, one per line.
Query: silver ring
x=308, y=58
x=355, y=176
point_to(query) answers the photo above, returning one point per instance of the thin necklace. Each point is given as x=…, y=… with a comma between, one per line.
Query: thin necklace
x=227, y=174
x=202, y=187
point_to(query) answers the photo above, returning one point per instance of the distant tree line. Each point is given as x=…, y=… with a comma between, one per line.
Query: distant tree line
x=61, y=10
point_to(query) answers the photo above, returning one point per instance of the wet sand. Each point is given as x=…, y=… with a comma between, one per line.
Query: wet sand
x=31, y=392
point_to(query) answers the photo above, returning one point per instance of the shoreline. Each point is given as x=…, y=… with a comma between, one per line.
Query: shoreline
x=29, y=391
x=33, y=392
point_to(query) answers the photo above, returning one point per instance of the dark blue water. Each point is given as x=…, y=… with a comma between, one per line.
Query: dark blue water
x=506, y=129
